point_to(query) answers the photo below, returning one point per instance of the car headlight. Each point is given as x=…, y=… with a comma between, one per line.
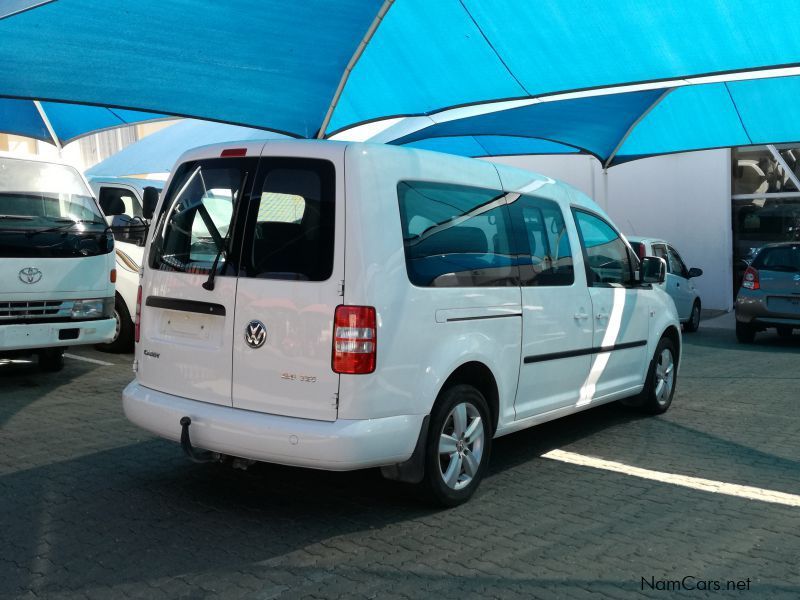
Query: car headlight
x=95, y=308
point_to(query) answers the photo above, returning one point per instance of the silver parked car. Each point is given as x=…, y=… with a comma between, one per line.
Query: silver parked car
x=770, y=292
x=679, y=284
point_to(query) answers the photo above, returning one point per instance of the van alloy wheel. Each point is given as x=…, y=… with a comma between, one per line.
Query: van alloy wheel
x=461, y=444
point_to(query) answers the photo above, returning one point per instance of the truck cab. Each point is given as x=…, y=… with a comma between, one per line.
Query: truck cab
x=56, y=262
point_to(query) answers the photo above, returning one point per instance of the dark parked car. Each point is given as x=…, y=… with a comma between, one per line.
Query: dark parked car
x=770, y=292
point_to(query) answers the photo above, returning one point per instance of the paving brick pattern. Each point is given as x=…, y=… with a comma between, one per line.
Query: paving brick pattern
x=92, y=507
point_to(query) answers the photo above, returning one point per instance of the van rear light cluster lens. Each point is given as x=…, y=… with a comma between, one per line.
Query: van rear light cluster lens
x=750, y=280
x=354, y=340
x=137, y=320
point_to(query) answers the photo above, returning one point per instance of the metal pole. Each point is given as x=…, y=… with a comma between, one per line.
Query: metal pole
x=48, y=125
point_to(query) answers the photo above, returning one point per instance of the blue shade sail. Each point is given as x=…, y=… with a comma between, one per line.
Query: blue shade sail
x=430, y=55
x=492, y=145
x=69, y=121
x=277, y=64
x=595, y=124
x=271, y=63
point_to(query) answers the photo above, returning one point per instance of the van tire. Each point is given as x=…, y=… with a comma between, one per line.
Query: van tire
x=693, y=324
x=652, y=400
x=454, y=415
x=51, y=360
x=123, y=340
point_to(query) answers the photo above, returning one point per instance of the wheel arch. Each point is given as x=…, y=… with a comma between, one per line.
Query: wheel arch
x=674, y=336
x=479, y=376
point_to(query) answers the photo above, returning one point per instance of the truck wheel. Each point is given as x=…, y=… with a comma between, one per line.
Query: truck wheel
x=659, y=387
x=123, y=333
x=51, y=359
x=693, y=323
x=745, y=333
x=458, y=445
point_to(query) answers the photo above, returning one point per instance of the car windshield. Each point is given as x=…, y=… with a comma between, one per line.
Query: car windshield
x=36, y=195
x=779, y=258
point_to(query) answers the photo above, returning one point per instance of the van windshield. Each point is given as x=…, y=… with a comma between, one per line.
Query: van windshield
x=38, y=195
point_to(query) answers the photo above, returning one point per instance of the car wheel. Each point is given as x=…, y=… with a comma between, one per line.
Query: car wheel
x=785, y=332
x=745, y=333
x=659, y=387
x=693, y=324
x=123, y=331
x=51, y=359
x=458, y=445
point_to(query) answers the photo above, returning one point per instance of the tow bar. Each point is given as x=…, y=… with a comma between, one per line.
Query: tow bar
x=188, y=449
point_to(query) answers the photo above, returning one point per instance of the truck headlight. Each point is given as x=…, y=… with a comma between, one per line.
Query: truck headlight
x=95, y=308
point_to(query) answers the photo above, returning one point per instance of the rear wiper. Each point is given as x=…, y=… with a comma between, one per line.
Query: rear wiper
x=16, y=217
x=782, y=268
x=208, y=284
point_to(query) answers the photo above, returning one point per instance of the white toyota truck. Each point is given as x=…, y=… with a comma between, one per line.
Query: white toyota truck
x=57, y=268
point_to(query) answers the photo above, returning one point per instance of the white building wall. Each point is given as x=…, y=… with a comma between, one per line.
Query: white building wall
x=682, y=198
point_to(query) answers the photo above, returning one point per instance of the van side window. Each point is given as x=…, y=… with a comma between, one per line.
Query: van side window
x=197, y=215
x=546, y=256
x=607, y=258
x=456, y=236
x=290, y=227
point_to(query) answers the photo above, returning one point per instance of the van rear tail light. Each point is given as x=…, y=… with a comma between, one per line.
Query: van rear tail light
x=137, y=320
x=231, y=152
x=640, y=250
x=750, y=279
x=354, y=340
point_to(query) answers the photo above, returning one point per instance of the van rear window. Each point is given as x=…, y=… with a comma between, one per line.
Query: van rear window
x=456, y=236
x=290, y=225
x=197, y=215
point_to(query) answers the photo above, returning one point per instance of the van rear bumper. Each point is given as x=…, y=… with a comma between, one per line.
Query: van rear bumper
x=33, y=336
x=340, y=445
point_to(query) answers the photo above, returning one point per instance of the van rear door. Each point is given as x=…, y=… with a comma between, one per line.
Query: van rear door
x=292, y=270
x=186, y=329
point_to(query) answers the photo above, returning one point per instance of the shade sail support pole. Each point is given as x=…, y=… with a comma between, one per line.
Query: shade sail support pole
x=782, y=162
x=634, y=125
x=351, y=65
x=48, y=125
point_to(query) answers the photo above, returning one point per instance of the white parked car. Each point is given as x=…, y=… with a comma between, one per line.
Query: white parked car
x=371, y=306
x=56, y=262
x=122, y=200
x=679, y=284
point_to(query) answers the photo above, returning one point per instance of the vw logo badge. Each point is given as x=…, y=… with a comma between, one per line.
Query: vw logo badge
x=255, y=334
x=30, y=275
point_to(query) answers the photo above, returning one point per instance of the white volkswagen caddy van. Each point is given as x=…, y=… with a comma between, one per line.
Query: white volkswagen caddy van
x=343, y=305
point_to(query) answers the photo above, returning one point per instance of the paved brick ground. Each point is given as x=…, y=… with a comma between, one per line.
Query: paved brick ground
x=91, y=507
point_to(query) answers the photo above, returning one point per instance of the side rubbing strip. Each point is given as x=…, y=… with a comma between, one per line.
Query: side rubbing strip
x=583, y=352
x=204, y=308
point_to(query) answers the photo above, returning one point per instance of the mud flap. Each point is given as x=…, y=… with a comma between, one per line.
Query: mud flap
x=412, y=470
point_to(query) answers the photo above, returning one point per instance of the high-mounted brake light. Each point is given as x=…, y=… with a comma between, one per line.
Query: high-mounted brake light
x=640, y=250
x=137, y=320
x=750, y=279
x=354, y=340
x=228, y=152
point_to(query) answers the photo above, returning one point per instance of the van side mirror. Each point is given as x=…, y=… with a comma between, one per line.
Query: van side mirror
x=695, y=272
x=652, y=270
x=149, y=202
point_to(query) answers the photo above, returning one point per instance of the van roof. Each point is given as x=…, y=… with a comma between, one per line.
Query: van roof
x=578, y=198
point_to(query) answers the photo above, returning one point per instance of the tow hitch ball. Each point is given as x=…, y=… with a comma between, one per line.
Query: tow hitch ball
x=205, y=457
x=188, y=449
